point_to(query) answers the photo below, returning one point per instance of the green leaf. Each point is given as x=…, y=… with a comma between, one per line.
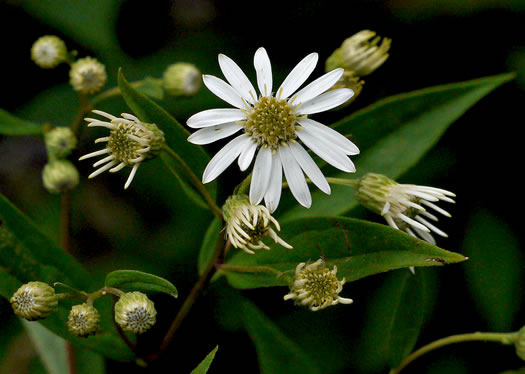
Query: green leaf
x=133, y=280
x=357, y=247
x=205, y=364
x=176, y=138
x=495, y=273
x=152, y=87
x=27, y=255
x=51, y=348
x=208, y=244
x=276, y=352
x=11, y=125
x=395, y=133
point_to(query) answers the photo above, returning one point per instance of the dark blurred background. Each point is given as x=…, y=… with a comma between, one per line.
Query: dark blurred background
x=149, y=228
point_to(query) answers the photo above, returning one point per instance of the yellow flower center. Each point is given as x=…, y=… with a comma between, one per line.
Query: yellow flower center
x=124, y=148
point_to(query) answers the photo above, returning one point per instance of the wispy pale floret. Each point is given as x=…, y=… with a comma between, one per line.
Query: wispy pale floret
x=182, y=79
x=316, y=287
x=362, y=53
x=130, y=142
x=272, y=124
x=404, y=206
x=48, y=51
x=87, y=75
x=135, y=312
x=247, y=224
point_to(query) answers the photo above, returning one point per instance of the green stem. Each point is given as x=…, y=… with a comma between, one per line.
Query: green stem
x=195, y=181
x=503, y=338
x=85, y=108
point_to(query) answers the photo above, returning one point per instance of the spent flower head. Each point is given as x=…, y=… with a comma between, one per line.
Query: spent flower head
x=34, y=300
x=362, y=53
x=247, y=224
x=60, y=141
x=130, y=142
x=87, y=75
x=272, y=124
x=83, y=320
x=48, y=51
x=135, y=313
x=404, y=206
x=181, y=79
x=59, y=176
x=316, y=287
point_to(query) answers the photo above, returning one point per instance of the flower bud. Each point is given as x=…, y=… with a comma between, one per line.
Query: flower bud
x=83, y=320
x=60, y=141
x=87, y=75
x=34, y=300
x=59, y=176
x=48, y=51
x=519, y=343
x=181, y=79
x=316, y=287
x=135, y=313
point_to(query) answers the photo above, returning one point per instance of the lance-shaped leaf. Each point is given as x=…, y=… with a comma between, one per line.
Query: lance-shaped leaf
x=11, y=125
x=395, y=133
x=358, y=248
x=209, y=243
x=205, y=364
x=133, y=280
x=195, y=158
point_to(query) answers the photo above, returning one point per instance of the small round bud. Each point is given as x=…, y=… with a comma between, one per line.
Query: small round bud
x=59, y=176
x=60, y=142
x=316, y=287
x=83, y=320
x=181, y=79
x=48, y=51
x=87, y=75
x=519, y=343
x=34, y=300
x=135, y=313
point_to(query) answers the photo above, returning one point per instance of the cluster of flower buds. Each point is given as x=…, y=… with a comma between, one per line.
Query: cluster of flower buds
x=359, y=55
x=134, y=311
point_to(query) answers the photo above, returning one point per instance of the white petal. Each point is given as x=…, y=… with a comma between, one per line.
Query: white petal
x=333, y=155
x=295, y=177
x=224, y=91
x=210, y=134
x=246, y=157
x=330, y=135
x=212, y=117
x=131, y=176
x=310, y=168
x=224, y=158
x=275, y=185
x=104, y=114
x=108, y=166
x=96, y=153
x=261, y=175
x=318, y=86
x=297, y=76
x=326, y=101
x=263, y=68
x=237, y=78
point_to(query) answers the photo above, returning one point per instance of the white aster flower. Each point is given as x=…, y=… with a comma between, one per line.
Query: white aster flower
x=247, y=225
x=130, y=142
x=316, y=287
x=271, y=124
x=404, y=206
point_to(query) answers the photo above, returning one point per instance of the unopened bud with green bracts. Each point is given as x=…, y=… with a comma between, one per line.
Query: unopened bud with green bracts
x=83, y=320
x=49, y=51
x=87, y=75
x=181, y=79
x=34, y=301
x=135, y=312
x=60, y=141
x=59, y=176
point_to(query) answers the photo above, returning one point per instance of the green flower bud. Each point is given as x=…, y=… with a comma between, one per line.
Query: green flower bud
x=34, y=300
x=181, y=79
x=48, y=51
x=135, y=313
x=60, y=142
x=83, y=320
x=59, y=176
x=519, y=343
x=87, y=75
